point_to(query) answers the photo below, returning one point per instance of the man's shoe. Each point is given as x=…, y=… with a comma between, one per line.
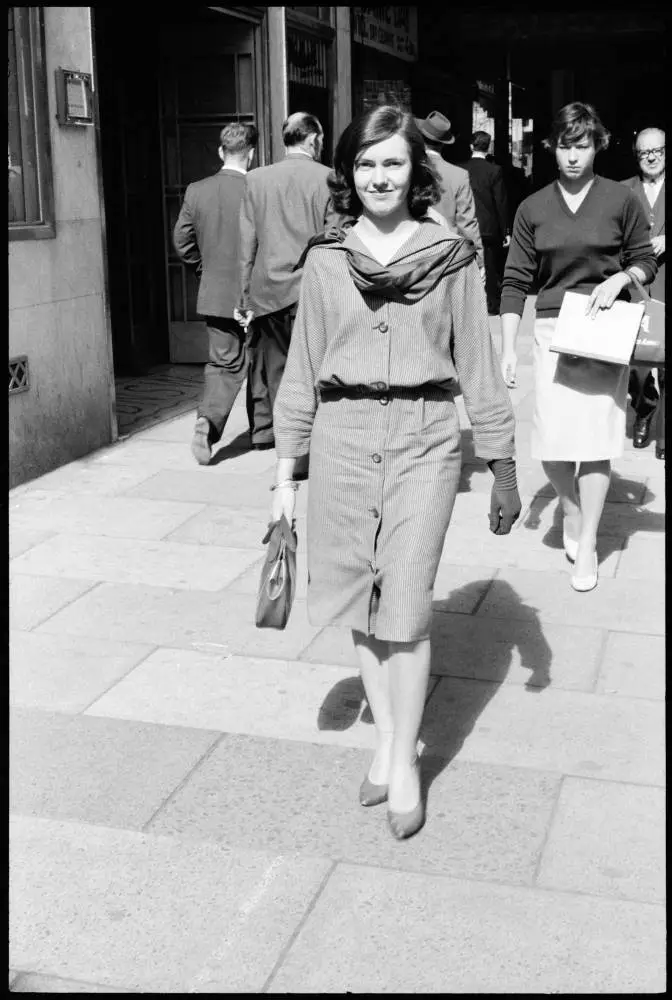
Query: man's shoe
x=660, y=452
x=641, y=431
x=201, y=448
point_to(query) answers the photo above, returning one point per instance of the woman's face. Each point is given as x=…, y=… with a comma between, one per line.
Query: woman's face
x=382, y=176
x=575, y=159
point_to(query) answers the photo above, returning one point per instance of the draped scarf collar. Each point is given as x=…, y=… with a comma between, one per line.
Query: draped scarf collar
x=406, y=280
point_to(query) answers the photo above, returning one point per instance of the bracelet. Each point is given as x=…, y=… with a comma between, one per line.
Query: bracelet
x=290, y=484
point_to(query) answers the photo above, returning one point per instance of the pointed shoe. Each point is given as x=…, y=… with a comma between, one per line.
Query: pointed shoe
x=406, y=824
x=571, y=547
x=585, y=583
x=372, y=795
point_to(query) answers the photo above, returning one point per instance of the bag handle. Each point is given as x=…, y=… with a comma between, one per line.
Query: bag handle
x=278, y=575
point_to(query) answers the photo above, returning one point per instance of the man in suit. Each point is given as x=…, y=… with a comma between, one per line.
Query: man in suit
x=457, y=200
x=487, y=183
x=206, y=239
x=284, y=205
x=649, y=186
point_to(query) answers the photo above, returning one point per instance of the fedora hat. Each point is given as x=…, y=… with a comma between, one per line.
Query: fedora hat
x=436, y=127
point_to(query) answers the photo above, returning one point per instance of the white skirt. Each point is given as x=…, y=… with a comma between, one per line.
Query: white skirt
x=580, y=405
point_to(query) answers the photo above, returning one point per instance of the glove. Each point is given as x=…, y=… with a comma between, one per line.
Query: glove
x=505, y=505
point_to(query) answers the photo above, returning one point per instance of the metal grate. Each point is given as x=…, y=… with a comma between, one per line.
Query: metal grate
x=18, y=374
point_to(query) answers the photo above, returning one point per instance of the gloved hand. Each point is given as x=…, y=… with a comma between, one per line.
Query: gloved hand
x=505, y=505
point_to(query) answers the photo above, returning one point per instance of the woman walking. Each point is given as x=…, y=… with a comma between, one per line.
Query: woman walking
x=586, y=234
x=392, y=313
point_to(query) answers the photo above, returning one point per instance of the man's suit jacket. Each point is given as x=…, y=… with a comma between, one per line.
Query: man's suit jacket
x=487, y=183
x=206, y=238
x=283, y=206
x=656, y=217
x=457, y=201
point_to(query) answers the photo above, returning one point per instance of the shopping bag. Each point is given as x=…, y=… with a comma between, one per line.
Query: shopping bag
x=278, y=576
x=609, y=337
x=649, y=350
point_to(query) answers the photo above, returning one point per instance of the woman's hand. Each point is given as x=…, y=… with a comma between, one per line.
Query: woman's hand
x=605, y=294
x=509, y=363
x=284, y=502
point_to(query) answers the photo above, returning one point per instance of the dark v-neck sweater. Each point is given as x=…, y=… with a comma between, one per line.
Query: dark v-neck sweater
x=574, y=250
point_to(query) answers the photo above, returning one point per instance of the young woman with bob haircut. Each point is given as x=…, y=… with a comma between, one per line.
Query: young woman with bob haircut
x=586, y=234
x=392, y=314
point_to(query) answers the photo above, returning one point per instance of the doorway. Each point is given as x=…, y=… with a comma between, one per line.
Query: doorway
x=165, y=89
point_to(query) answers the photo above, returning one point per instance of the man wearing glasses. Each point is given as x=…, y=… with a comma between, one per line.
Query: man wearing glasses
x=649, y=186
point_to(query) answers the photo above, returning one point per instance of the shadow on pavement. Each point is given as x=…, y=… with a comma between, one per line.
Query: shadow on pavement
x=238, y=446
x=445, y=734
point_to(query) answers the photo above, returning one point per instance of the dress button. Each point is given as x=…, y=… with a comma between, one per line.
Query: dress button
x=380, y=386
x=376, y=458
x=383, y=327
x=384, y=400
x=375, y=512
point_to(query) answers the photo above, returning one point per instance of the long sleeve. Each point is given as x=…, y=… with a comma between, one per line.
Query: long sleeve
x=521, y=265
x=499, y=194
x=184, y=237
x=248, y=244
x=296, y=402
x=486, y=398
x=637, y=248
x=465, y=217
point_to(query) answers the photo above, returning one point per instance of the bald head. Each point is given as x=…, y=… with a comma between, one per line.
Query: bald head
x=650, y=152
x=303, y=131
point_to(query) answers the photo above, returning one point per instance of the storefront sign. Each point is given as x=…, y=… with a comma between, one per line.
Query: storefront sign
x=393, y=30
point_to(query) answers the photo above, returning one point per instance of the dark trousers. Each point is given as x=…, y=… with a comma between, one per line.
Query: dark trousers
x=493, y=259
x=275, y=331
x=229, y=364
x=645, y=399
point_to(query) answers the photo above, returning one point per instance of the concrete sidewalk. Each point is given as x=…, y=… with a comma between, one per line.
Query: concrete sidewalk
x=184, y=785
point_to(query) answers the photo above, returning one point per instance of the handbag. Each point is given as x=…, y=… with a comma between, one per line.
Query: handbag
x=278, y=576
x=649, y=349
x=609, y=337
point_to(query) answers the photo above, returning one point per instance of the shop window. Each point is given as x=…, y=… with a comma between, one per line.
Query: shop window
x=30, y=193
x=316, y=13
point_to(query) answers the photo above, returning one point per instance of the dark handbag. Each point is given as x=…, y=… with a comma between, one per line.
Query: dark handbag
x=278, y=576
x=649, y=349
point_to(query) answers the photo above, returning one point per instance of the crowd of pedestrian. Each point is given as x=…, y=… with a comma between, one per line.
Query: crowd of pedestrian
x=356, y=302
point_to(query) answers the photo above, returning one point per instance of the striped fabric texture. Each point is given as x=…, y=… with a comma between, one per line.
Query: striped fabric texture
x=384, y=472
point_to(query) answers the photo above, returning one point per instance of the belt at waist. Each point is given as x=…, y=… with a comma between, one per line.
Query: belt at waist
x=428, y=390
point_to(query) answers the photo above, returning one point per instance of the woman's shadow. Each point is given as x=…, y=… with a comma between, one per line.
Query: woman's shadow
x=471, y=657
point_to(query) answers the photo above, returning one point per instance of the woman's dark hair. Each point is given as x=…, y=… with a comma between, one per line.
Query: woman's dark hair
x=575, y=122
x=365, y=130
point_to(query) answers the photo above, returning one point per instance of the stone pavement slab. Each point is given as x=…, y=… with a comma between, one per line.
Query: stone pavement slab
x=492, y=649
x=620, y=519
x=63, y=673
x=33, y=599
x=102, y=771
x=375, y=931
x=84, y=478
x=108, y=516
x=643, y=558
x=485, y=821
x=136, y=561
x=586, y=735
x=225, y=526
x=52, y=984
x=607, y=838
x=633, y=666
x=614, y=604
x=235, y=491
x=23, y=539
x=188, y=619
x=137, y=452
x=151, y=914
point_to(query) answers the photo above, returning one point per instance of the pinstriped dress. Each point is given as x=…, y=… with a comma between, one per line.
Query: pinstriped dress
x=384, y=471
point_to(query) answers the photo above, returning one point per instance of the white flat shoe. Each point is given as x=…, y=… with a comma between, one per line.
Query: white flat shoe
x=571, y=547
x=584, y=583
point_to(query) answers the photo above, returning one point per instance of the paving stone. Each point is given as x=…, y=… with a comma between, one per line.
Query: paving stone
x=620, y=519
x=23, y=539
x=585, y=735
x=375, y=931
x=33, y=599
x=224, y=526
x=643, y=558
x=614, y=604
x=32, y=983
x=633, y=666
x=236, y=491
x=164, y=455
x=483, y=820
x=188, y=619
x=65, y=673
x=134, y=561
x=152, y=914
x=97, y=770
x=607, y=838
x=85, y=478
x=122, y=517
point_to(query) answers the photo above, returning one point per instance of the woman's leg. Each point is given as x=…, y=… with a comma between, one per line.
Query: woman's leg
x=373, y=661
x=562, y=478
x=409, y=676
x=593, y=487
